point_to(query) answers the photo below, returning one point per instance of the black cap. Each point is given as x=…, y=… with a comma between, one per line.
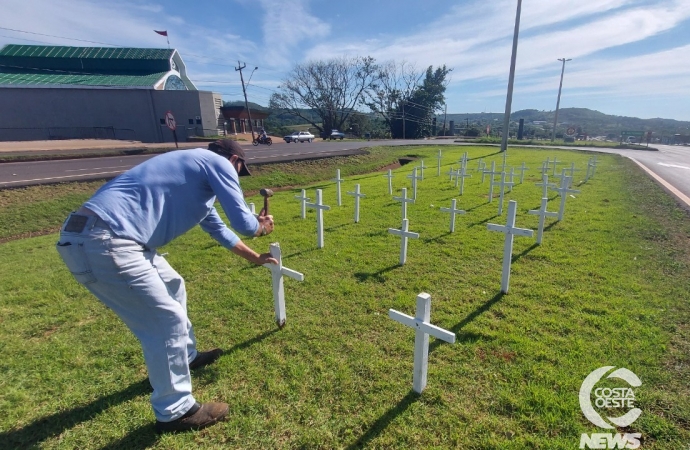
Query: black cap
x=227, y=148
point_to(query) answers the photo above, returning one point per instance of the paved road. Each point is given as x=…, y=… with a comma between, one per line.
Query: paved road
x=43, y=172
x=671, y=164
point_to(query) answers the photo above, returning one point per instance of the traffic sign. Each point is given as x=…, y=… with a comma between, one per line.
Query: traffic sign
x=170, y=120
x=571, y=131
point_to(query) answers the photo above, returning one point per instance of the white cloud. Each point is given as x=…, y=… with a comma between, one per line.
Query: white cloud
x=286, y=25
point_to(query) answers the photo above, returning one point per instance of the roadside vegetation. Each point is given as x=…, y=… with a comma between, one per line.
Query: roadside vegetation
x=609, y=286
x=562, y=143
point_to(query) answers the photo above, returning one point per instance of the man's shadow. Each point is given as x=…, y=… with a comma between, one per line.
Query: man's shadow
x=44, y=428
x=33, y=434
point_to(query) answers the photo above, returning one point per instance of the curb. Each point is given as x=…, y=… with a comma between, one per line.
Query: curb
x=683, y=199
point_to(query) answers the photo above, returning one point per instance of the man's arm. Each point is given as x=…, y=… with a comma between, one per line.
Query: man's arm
x=241, y=249
x=224, y=182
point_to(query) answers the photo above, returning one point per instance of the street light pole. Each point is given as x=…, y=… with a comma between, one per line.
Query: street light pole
x=558, y=102
x=511, y=79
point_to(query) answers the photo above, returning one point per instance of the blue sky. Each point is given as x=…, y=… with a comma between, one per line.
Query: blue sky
x=629, y=57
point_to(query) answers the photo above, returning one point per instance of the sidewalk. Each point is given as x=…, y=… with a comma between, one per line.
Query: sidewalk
x=109, y=144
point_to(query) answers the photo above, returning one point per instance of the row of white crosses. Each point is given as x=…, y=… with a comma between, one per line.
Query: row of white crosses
x=421, y=321
x=459, y=176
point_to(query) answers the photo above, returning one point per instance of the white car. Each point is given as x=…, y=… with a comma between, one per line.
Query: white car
x=299, y=136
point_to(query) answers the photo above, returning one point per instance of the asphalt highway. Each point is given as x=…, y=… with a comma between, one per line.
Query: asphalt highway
x=670, y=165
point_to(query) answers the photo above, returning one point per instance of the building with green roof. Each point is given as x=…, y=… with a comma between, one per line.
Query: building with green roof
x=40, y=65
x=57, y=92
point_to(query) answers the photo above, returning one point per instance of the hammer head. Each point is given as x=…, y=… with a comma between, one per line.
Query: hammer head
x=266, y=192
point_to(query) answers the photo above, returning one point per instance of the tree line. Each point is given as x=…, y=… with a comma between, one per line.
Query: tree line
x=347, y=92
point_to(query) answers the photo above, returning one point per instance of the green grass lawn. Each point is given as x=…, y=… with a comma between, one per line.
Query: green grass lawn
x=608, y=287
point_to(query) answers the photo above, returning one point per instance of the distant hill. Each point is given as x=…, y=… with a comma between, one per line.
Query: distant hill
x=537, y=123
x=590, y=122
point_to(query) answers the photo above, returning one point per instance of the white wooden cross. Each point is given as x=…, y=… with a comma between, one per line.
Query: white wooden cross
x=320, y=207
x=252, y=208
x=453, y=211
x=503, y=164
x=561, y=176
x=564, y=172
x=438, y=167
x=404, y=234
x=277, y=272
x=563, y=191
x=543, y=214
x=356, y=195
x=502, y=184
x=591, y=165
x=510, y=231
x=451, y=173
x=554, y=162
x=572, y=169
x=423, y=328
x=403, y=198
x=522, y=169
x=512, y=175
x=414, y=178
x=481, y=165
x=303, y=201
x=338, y=180
x=421, y=170
x=455, y=175
x=462, y=174
x=389, y=175
x=545, y=185
x=545, y=167
x=491, y=172
x=463, y=160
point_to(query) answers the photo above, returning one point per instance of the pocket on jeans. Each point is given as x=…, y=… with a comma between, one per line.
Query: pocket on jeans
x=75, y=259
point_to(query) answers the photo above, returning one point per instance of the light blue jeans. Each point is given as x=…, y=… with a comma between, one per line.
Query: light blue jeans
x=149, y=296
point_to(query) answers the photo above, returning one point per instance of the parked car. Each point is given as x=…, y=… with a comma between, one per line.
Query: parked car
x=335, y=134
x=299, y=136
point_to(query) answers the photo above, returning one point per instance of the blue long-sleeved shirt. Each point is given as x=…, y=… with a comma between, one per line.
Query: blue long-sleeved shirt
x=165, y=196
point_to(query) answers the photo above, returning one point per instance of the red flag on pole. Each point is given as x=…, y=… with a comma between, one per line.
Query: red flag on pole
x=162, y=33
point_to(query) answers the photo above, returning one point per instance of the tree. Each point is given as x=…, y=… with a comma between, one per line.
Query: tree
x=332, y=89
x=408, y=106
x=395, y=84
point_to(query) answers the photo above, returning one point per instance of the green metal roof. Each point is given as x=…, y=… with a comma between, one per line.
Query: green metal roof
x=41, y=79
x=43, y=51
x=92, y=66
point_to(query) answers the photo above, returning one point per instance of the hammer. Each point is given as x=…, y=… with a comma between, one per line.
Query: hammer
x=265, y=193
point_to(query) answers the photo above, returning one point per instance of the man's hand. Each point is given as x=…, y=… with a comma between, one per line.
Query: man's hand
x=265, y=258
x=265, y=225
x=241, y=249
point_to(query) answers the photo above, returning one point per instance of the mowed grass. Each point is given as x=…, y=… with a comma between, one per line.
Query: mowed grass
x=608, y=287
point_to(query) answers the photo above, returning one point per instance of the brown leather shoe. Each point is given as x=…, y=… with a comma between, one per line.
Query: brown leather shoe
x=198, y=417
x=205, y=358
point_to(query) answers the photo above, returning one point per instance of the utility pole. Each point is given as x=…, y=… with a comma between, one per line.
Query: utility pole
x=246, y=103
x=558, y=102
x=445, y=113
x=403, y=109
x=511, y=79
